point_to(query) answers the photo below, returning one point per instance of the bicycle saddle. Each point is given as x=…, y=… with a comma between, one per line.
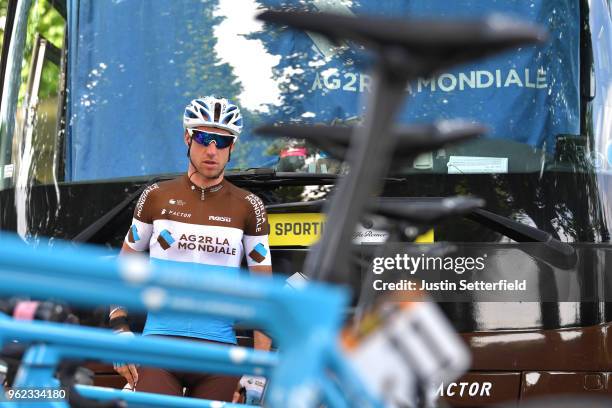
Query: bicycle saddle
x=428, y=45
x=411, y=140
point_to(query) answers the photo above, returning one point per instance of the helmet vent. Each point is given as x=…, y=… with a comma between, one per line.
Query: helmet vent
x=217, y=111
x=213, y=112
x=204, y=114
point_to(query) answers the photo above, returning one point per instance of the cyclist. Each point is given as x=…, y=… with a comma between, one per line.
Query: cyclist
x=198, y=219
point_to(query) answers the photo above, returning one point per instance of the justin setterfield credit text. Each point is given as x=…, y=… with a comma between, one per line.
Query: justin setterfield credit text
x=446, y=285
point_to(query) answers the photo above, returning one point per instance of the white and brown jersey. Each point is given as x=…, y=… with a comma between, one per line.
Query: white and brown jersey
x=177, y=221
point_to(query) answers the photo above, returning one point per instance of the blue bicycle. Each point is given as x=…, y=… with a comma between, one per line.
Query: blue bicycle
x=311, y=367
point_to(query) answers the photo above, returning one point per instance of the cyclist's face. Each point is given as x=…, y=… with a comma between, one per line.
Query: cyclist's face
x=209, y=160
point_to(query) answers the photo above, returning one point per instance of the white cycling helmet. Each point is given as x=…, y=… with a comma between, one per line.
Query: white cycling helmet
x=214, y=112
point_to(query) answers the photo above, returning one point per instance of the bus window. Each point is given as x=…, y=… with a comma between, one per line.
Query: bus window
x=31, y=136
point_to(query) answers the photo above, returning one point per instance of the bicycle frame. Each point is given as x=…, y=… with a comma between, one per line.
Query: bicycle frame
x=307, y=340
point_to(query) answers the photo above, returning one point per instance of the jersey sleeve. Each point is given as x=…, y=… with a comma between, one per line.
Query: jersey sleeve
x=139, y=234
x=255, y=238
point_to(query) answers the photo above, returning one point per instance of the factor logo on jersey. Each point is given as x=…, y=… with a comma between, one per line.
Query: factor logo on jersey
x=258, y=254
x=175, y=213
x=165, y=239
x=133, y=236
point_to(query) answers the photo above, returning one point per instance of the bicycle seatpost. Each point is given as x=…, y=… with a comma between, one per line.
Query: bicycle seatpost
x=405, y=50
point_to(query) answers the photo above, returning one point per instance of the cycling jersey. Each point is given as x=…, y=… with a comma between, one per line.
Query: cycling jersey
x=179, y=222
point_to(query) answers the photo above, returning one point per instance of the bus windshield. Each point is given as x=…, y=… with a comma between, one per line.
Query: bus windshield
x=124, y=86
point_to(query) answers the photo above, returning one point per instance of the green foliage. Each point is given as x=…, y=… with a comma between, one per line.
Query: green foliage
x=205, y=73
x=46, y=21
x=3, y=7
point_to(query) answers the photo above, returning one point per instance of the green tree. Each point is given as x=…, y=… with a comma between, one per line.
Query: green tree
x=47, y=22
x=206, y=73
x=3, y=8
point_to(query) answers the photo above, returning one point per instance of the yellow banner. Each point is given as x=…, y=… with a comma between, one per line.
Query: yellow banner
x=304, y=229
x=301, y=229
x=426, y=238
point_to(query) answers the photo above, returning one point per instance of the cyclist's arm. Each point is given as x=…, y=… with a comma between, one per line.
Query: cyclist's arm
x=117, y=311
x=257, y=251
x=125, y=249
x=265, y=270
x=136, y=241
x=260, y=340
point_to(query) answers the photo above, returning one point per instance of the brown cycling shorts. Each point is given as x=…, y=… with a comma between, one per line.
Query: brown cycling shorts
x=197, y=385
